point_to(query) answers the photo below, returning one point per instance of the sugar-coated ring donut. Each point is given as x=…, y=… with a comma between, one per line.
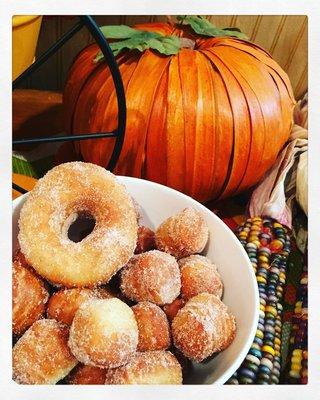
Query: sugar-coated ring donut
x=183, y=234
x=152, y=276
x=86, y=375
x=145, y=241
x=148, y=368
x=172, y=309
x=203, y=327
x=63, y=304
x=198, y=275
x=29, y=297
x=42, y=355
x=104, y=333
x=153, y=327
x=66, y=191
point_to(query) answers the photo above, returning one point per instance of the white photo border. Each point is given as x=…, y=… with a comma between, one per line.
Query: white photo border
x=8, y=388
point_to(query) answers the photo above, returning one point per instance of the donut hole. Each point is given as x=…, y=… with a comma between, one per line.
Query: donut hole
x=83, y=224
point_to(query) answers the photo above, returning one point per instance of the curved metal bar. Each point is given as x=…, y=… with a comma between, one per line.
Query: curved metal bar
x=69, y=138
x=119, y=133
x=47, y=54
x=114, y=69
x=19, y=188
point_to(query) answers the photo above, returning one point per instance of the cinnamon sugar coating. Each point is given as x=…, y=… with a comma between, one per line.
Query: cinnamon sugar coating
x=29, y=297
x=86, y=375
x=153, y=326
x=63, y=304
x=183, y=234
x=152, y=276
x=203, y=327
x=66, y=191
x=103, y=333
x=41, y=355
x=149, y=368
x=198, y=275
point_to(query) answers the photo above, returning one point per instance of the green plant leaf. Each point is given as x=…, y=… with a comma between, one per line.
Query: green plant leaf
x=138, y=40
x=204, y=27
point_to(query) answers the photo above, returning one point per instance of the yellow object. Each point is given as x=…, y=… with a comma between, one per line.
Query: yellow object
x=268, y=349
x=26, y=182
x=25, y=32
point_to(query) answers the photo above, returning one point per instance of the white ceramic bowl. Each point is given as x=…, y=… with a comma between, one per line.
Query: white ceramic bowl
x=240, y=288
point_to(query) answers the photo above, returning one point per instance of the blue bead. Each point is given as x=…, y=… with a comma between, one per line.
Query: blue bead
x=255, y=352
x=265, y=369
x=269, y=336
x=247, y=373
x=258, y=341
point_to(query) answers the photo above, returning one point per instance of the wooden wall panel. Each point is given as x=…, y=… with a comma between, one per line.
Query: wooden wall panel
x=268, y=30
x=285, y=37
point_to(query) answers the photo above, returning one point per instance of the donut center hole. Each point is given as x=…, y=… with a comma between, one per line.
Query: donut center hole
x=81, y=227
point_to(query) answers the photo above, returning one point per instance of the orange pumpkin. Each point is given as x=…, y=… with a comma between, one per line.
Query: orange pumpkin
x=208, y=121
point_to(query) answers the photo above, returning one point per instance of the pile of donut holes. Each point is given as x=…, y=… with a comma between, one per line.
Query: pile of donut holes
x=155, y=315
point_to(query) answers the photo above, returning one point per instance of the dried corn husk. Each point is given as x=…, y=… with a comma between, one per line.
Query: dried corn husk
x=274, y=195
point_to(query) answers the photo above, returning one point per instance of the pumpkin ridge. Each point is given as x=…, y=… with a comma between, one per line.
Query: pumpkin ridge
x=250, y=157
x=210, y=55
x=157, y=86
x=257, y=170
x=156, y=162
x=73, y=86
x=150, y=63
x=255, y=146
x=267, y=61
x=265, y=92
x=241, y=131
x=175, y=138
x=103, y=96
x=230, y=154
x=187, y=68
x=287, y=113
x=208, y=135
x=109, y=111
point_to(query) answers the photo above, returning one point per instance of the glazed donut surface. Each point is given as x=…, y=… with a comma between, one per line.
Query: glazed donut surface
x=66, y=191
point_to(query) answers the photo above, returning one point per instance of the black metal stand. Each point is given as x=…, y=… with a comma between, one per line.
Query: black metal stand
x=93, y=28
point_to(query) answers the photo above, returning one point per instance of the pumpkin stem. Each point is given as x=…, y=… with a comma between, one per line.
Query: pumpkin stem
x=187, y=43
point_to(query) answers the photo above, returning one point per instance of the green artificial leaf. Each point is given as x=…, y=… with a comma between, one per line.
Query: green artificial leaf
x=118, y=31
x=138, y=40
x=167, y=45
x=204, y=27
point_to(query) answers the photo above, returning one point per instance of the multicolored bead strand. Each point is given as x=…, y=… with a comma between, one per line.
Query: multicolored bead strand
x=298, y=363
x=268, y=246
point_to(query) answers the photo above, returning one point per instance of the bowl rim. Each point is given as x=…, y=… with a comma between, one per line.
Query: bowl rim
x=246, y=347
